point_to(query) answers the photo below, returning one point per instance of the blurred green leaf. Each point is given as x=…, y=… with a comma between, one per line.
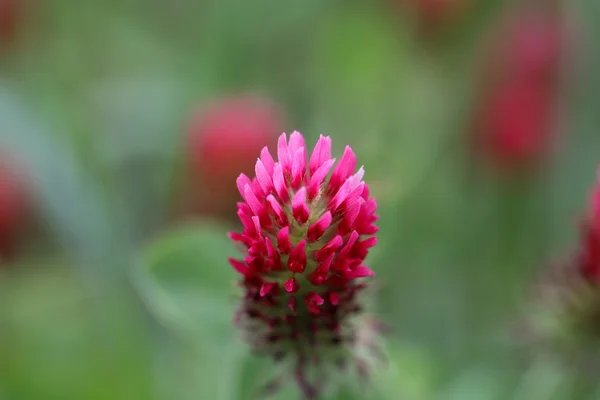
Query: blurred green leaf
x=57, y=343
x=68, y=196
x=205, y=369
x=410, y=374
x=186, y=282
x=542, y=381
x=473, y=384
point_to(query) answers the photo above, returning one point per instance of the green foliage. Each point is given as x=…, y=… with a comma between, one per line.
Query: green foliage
x=113, y=300
x=185, y=280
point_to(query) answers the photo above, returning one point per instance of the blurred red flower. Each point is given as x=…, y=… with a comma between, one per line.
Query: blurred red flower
x=223, y=140
x=589, y=254
x=516, y=124
x=516, y=118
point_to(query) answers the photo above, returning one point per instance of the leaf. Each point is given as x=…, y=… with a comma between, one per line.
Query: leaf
x=199, y=371
x=409, y=374
x=184, y=279
x=474, y=384
x=542, y=381
x=58, y=340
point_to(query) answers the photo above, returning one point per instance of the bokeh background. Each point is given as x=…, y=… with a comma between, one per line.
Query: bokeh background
x=123, y=125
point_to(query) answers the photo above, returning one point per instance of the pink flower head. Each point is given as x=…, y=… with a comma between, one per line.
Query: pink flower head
x=589, y=256
x=307, y=227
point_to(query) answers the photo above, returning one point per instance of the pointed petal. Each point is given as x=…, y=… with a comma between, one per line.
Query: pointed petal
x=266, y=288
x=278, y=210
x=252, y=200
x=283, y=153
x=361, y=249
x=370, y=242
x=343, y=169
x=296, y=142
x=370, y=205
x=351, y=212
x=316, y=230
x=291, y=286
x=239, y=266
x=274, y=260
x=267, y=160
x=345, y=252
x=360, y=272
x=329, y=248
x=279, y=183
x=313, y=301
x=317, y=178
x=283, y=240
x=319, y=276
x=300, y=207
x=257, y=228
x=316, y=299
x=263, y=177
x=352, y=187
x=242, y=181
x=246, y=222
x=235, y=236
x=327, y=263
x=241, y=238
x=297, y=260
x=298, y=167
x=320, y=154
x=366, y=218
x=365, y=193
x=245, y=208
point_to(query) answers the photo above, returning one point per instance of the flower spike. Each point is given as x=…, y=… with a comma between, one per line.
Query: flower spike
x=305, y=238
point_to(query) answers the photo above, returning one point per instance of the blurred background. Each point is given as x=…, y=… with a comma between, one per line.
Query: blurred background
x=123, y=125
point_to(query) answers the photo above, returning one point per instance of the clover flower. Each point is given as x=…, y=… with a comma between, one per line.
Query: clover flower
x=565, y=319
x=307, y=227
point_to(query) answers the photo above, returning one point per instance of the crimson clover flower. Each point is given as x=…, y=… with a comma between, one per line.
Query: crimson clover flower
x=566, y=318
x=589, y=254
x=305, y=237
